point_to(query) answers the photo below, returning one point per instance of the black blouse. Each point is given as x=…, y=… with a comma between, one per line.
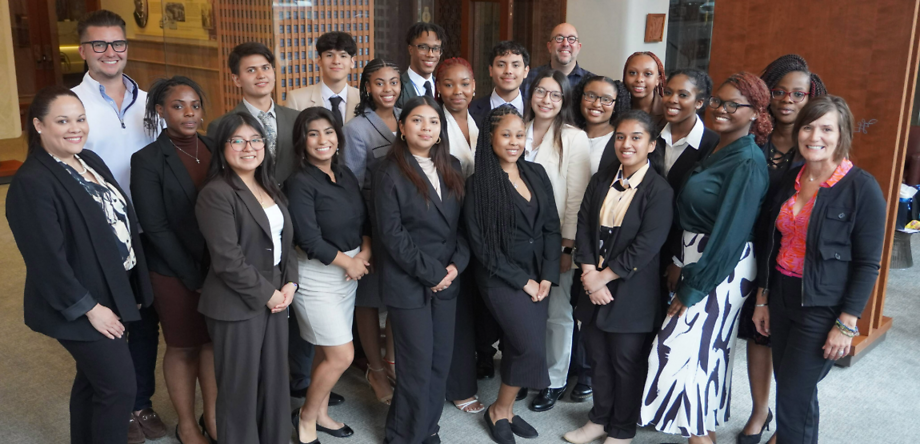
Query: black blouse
x=527, y=215
x=328, y=216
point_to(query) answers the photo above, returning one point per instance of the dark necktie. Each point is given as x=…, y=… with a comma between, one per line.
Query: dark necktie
x=336, y=101
x=428, y=91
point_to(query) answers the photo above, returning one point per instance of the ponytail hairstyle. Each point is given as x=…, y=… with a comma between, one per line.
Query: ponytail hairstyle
x=755, y=90
x=777, y=69
x=447, y=64
x=440, y=152
x=662, y=79
x=39, y=109
x=367, y=102
x=623, y=103
x=565, y=108
x=655, y=158
x=157, y=96
x=492, y=191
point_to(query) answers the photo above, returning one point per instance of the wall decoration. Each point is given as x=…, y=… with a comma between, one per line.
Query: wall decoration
x=654, y=27
x=141, y=13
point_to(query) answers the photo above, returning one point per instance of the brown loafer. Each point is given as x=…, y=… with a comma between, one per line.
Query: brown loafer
x=135, y=434
x=151, y=424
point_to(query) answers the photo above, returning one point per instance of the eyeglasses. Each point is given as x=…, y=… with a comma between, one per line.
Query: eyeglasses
x=239, y=144
x=571, y=38
x=100, y=46
x=590, y=97
x=425, y=49
x=729, y=106
x=796, y=96
x=541, y=92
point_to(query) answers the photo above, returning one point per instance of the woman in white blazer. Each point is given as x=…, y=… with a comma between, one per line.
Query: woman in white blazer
x=563, y=150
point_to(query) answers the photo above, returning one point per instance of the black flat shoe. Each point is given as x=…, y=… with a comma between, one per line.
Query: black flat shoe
x=178, y=438
x=500, y=431
x=522, y=394
x=295, y=418
x=485, y=370
x=335, y=399
x=521, y=428
x=547, y=399
x=581, y=393
x=433, y=439
x=755, y=439
x=343, y=432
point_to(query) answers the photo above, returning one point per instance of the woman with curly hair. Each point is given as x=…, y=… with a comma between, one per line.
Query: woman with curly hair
x=598, y=100
x=689, y=380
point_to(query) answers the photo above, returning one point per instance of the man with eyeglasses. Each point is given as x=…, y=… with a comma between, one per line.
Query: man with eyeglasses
x=425, y=49
x=563, y=47
x=115, y=112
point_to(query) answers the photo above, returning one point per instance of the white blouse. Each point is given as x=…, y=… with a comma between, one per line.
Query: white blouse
x=596, y=147
x=276, y=222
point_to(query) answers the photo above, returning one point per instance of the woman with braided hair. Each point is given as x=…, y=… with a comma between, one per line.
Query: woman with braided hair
x=644, y=76
x=688, y=387
x=514, y=233
x=791, y=86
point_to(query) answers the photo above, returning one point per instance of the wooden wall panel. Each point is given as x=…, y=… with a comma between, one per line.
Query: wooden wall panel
x=866, y=52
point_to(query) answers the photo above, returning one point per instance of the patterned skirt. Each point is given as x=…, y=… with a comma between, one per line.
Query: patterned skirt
x=688, y=387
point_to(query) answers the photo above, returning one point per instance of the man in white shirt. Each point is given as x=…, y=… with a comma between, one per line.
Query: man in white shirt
x=508, y=69
x=424, y=41
x=115, y=113
x=335, y=57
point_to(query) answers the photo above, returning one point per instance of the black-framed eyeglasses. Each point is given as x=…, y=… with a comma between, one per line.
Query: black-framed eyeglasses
x=100, y=46
x=541, y=92
x=571, y=38
x=239, y=143
x=590, y=97
x=729, y=106
x=796, y=96
x=425, y=49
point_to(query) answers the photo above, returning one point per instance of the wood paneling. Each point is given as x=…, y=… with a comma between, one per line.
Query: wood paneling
x=866, y=52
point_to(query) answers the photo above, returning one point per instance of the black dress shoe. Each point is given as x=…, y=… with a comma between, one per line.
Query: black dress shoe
x=751, y=439
x=335, y=399
x=485, y=370
x=522, y=394
x=546, y=399
x=521, y=428
x=300, y=393
x=343, y=432
x=433, y=439
x=204, y=431
x=500, y=431
x=581, y=393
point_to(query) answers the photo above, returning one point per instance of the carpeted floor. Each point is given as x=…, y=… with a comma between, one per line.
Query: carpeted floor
x=874, y=401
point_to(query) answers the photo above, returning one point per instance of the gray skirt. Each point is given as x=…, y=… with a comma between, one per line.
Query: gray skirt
x=325, y=302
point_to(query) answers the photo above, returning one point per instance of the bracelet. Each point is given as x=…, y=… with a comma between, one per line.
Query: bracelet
x=846, y=329
x=295, y=285
x=760, y=305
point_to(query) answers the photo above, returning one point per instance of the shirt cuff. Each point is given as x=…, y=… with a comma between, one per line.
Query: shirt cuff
x=689, y=296
x=79, y=308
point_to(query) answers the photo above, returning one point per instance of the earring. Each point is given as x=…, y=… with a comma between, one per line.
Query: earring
x=402, y=136
x=39, y=132
x=438, y=142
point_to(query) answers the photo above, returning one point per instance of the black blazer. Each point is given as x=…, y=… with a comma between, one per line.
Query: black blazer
x=636, y=306
x=542, y=246
x=71, y=255
x=241, y=278
x=284, y=146
x=420, y=237
x=407, y=90
x=164, y=197
x=479, y=108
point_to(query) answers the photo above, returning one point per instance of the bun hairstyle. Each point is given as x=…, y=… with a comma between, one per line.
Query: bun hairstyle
x=662, y=79
x=367, y=102
x=39, y=109
x=303, y=121
x=817, y=108
x=623, y=103
x=491, y=190
x=755, y=90
x=700, y=79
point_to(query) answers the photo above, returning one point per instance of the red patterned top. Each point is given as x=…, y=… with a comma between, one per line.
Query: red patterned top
x=794, y=228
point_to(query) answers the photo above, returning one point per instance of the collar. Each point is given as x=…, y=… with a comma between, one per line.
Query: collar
x=839, y=173
x=328, y=93
x=321, y=175
x=694, y=139
x=419, y=82
x=634, y=180
x=518, y=102
x=256, y=111
x=130, y=88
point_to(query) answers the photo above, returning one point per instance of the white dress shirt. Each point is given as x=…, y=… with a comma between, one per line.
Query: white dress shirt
x=419, y=82
x=518, y=102
x=596, y=147
x=673, y=150
x=328, y=94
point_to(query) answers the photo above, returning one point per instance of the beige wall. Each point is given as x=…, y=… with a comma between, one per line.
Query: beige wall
x=9, y=96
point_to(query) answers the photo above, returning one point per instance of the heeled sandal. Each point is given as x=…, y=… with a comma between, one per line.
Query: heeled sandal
x=367, y=376
x=463, y=405
x=391, y=378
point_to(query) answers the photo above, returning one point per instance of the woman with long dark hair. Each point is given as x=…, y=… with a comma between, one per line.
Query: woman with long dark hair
x=514, y=231
x=418, y=194
x=253, y=276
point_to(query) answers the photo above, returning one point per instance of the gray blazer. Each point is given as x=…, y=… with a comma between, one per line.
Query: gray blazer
x=284, y=148
x=367, y=141
x=242, y=276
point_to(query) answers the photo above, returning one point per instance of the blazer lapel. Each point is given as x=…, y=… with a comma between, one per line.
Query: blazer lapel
x=317, y=95
x=536, y=189
x=408, y=85
x=255, y=209
x=176, y=166
x=351, y=102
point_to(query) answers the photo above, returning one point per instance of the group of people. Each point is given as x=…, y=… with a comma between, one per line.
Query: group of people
x=594, y=228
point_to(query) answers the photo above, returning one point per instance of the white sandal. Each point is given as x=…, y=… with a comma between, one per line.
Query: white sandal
x=462, y=407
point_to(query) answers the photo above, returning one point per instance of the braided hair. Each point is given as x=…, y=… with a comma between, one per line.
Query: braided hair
x=491, y=191
x=623, y=101
x=157, y=96
x=777, y=69
x=453, y=61
x=700, y=80
x=662, y=79
x=755, y=90
x=367, y=102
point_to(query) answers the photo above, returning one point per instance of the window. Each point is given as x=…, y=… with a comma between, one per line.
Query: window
x=284, y=83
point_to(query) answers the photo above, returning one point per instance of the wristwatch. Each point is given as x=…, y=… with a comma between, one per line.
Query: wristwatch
x=568, y=250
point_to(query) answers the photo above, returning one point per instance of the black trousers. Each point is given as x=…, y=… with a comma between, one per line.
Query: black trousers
x=461, y=380
x=143, y=341
x=487, y=331
x=300, y=356
x=103, y=391
x=797, y=334
x=620, y=364
x=250, y=362
x=424, y=341
x=580, y=367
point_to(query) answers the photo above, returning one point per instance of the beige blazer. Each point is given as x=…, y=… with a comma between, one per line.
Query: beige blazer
x=569, y=175
x=303, y=98
x=464, y=152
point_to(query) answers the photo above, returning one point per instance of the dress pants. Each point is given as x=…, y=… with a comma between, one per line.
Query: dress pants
x=103, y=391
x=143, y=340
x=580, y=368
x=424, y=339
x=559, y=328
x=620, y=364
x=486, y=329
x=461, y=380
x=797, y=334
x=300, y=356
x=250, y=362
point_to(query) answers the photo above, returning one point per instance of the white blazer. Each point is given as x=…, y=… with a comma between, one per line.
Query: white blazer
x=569, y=175
x=459, y=148
x=303, y=98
